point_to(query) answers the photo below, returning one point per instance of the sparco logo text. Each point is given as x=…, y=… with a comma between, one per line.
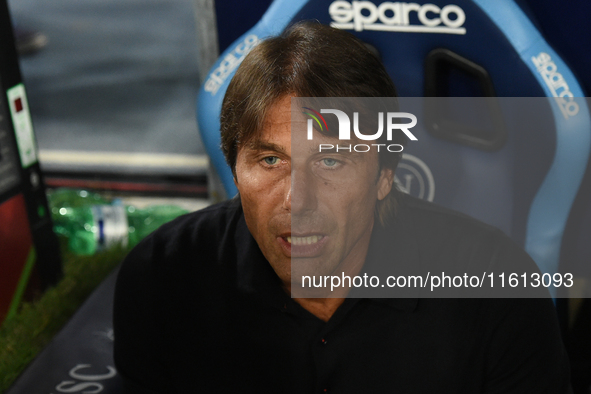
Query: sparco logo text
x=397, y=17
x=557, y=84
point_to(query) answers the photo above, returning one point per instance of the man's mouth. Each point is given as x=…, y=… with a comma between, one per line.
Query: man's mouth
x=303, y=245
x=304, y=240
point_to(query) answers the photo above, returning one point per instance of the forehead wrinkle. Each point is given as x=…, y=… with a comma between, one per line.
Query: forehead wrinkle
x=259, y=145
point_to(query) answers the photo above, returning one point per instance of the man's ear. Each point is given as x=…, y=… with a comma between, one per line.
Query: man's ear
x=234, y=176
x=385, y=183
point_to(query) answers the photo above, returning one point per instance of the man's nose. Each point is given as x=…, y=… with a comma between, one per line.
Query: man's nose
x=301, y=195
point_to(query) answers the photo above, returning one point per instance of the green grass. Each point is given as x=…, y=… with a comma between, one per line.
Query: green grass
x=23, y=336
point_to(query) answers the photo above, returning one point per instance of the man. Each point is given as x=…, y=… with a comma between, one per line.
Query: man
x=203, y=304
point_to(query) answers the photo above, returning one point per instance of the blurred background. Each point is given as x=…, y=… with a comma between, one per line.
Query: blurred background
x=112, y=91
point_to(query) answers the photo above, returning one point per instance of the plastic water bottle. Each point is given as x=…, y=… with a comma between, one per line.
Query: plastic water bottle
x=91, y=224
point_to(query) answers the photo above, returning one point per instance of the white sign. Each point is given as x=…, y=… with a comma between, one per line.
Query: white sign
x=23, y=126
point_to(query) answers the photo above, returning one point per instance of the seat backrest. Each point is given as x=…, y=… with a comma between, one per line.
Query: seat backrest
x=521, y=178
x=209, y=100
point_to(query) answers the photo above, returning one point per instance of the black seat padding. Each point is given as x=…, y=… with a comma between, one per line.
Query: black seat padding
x=80, y=357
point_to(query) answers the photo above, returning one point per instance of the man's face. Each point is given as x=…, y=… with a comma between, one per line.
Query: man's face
x=307, y=210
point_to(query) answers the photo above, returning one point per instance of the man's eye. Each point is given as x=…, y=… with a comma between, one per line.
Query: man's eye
x=271, y=160
x=329, y=162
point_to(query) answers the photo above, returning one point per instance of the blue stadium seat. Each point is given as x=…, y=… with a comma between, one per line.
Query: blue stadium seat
x=524, y=176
